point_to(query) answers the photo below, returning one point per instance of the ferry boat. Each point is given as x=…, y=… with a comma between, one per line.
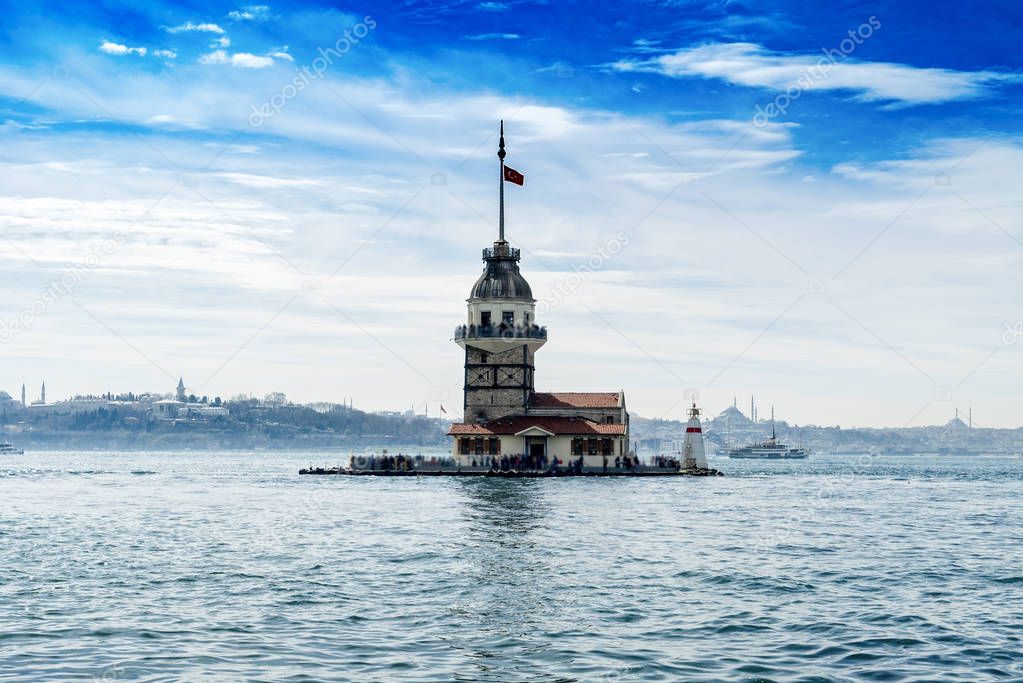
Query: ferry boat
x=7, y=448
x=769, y=449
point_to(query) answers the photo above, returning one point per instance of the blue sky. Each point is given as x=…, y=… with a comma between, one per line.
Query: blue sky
x=840, y=236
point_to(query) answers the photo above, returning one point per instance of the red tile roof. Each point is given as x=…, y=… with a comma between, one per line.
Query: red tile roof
x=576, y=399
x=573, y=426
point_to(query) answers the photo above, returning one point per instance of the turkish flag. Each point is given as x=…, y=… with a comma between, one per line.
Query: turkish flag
x=513, y=176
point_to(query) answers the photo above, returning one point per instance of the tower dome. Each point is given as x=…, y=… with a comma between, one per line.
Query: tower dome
x=501, y=278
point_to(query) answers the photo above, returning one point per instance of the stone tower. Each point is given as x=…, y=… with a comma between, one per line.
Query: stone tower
x=500, y=335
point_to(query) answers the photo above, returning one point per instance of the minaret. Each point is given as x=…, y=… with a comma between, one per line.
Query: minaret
x=693, y=456
x=500, y=335
x=181, y=389
x=42, y=394
x=24, y=404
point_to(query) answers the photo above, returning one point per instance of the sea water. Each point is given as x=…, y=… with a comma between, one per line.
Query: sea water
x=232, y=567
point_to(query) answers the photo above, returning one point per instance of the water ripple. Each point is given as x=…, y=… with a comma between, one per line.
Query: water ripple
x=230, y=567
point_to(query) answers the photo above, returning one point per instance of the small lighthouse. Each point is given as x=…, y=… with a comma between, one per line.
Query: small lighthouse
x=693, y=456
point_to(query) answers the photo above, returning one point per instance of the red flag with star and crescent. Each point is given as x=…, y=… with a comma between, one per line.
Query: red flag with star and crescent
x=513, y=176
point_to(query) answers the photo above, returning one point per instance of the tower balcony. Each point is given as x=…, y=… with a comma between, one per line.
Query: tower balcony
x=497, y=338
x=501, y=250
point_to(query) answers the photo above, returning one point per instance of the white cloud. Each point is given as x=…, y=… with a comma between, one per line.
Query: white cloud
x=250, y=13
x=189, y=26
x=250, y=61
x=281, y=53
x=494, y=36
x=168, y=54
x=755, y=66
x=169, y=121
x=694, y=269
x=222, y=41
x=215, y=57
x=118, y=49
x=243, y=60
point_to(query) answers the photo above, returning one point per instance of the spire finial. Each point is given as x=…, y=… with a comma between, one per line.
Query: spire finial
x=500, y=155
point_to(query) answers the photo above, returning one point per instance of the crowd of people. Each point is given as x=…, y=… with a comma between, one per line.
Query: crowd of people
x=627, y=462
x=502, y=329
x=663, y=461
x=504, y=463
x=396, y=463
x=542, y=463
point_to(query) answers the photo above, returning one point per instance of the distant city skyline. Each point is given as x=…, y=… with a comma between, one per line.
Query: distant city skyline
x=750, y=411
x=817, y=206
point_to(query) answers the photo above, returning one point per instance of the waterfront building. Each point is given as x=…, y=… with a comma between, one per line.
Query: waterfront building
x=503, y=414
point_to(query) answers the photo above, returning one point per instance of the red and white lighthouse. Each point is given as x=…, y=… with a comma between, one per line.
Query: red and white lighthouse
x=693, y=456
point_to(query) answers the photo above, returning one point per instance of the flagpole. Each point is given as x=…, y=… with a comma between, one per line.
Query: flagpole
x=500, y=155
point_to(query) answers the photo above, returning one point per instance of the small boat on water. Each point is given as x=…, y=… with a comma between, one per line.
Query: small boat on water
x=7, y=448
x=769, y=449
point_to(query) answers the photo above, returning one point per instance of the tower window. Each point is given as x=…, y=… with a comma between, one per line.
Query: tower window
x=483, y=357
x=485, y=318
x=508, y=317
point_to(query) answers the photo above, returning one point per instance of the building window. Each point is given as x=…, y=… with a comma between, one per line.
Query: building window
x=508, y=318
x=526, y=317
x=610, y=419
x=483, y=357
x=485, y=318
x=577, y=446
x=606, y=447
x=591, y=446
x=463, y=446
x=495, y=446
x=479, y=445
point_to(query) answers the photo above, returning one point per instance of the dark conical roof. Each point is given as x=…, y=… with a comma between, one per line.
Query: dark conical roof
x=501, y=278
